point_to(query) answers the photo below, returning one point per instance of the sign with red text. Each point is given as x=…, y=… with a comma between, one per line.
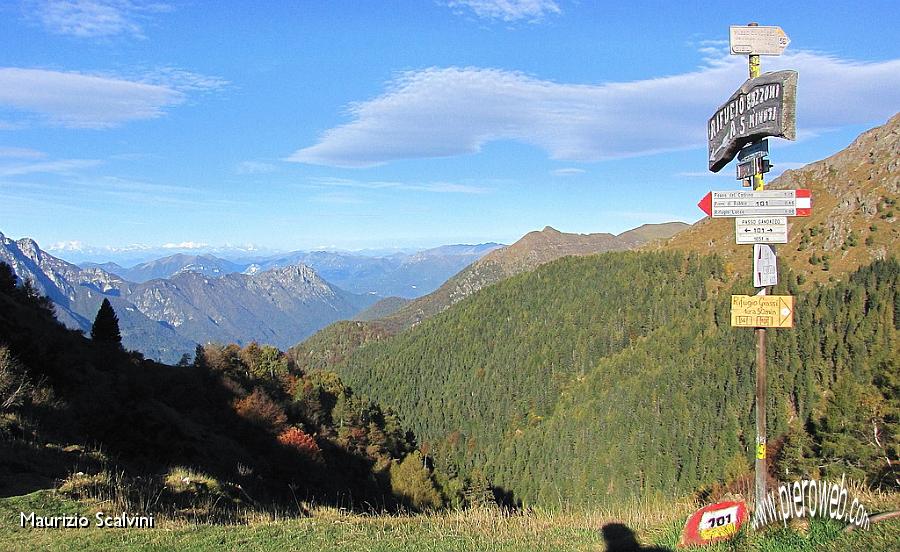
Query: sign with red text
x=762, y=311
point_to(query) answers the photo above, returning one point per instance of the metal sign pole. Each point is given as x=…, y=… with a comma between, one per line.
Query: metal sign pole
x=760, y=465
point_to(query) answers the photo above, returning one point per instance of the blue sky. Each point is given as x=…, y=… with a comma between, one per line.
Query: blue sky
x=300, y=125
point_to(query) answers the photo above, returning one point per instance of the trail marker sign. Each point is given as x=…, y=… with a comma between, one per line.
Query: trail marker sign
x=713, y=523
x=752, y=230
x=757, y=149
x=757, y=40
x=749, y=203
x=765, y=266
x=752, y=166
x=762, y=311
x=763, y=106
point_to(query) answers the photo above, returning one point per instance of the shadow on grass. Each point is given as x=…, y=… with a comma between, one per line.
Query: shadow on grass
x=620, y=538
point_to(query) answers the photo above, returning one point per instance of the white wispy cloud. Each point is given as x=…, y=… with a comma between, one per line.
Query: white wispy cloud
x=507, y=10
x=185, y=245
x=440, y=112
x=20, y=153
x=59, y=167
x=94, y=18
x=255, y=167
x=180, y=79
x=433, y=187
x=79, y=100
x=568, y=171
x=337, y=198
x=777, y=169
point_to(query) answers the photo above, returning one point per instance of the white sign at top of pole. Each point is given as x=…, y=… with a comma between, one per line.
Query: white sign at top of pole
x=764, y=41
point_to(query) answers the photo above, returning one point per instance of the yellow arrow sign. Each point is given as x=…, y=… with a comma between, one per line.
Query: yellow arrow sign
x=762, y=311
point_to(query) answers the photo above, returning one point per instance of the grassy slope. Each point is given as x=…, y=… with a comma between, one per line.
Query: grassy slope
x=658, y=529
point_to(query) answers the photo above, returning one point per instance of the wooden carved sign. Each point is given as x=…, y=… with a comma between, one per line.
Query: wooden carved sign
x=764, y=106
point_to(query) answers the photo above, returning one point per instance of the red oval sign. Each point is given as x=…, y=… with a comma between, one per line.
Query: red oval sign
x=713, y=523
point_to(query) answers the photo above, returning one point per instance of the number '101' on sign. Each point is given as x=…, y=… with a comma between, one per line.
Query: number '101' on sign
x=714, y=523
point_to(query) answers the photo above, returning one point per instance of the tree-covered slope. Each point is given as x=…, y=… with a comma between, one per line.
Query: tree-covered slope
x=242, y=421
x=595, y=378
x=675, y=412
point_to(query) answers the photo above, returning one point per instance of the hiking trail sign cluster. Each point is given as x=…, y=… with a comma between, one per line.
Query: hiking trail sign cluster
x=764, y=106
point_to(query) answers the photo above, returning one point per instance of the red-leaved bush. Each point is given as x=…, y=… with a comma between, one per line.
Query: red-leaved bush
x=299, y=440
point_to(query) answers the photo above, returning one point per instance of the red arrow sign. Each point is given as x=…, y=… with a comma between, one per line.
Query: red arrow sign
x=706, y=204
x=737, y=203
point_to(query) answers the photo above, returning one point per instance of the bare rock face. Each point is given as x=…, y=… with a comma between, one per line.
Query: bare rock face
x=165, y=318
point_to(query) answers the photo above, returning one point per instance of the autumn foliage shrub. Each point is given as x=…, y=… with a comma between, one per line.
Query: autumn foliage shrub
x=299, y=440
x=258, y=409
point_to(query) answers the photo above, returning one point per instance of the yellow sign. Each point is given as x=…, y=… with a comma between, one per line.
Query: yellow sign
x=762, y=311
x=761, y=451
x=717, y=532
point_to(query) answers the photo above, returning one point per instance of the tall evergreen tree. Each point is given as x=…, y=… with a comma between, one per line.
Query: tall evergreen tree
x=106, y=325
x=7, y=278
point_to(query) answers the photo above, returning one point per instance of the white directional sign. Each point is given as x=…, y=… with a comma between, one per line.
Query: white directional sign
x=768, y=203
x=749, y=230
x=765, y=41
x=765, y=267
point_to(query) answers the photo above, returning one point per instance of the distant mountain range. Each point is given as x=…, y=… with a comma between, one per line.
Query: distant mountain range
x=168, y=305
x=407, y=275
x=170, y=266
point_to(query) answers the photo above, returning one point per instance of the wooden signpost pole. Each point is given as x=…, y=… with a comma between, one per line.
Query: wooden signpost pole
x=760, y=464
x=763, y=106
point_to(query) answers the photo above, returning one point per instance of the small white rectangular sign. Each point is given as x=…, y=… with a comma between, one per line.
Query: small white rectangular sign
x=759, y=40
x=749, y=230
x=765, y=267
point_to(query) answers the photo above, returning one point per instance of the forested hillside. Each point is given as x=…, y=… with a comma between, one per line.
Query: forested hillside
x=675, y=413
x=338, y=340
x=237, y=429
x=564, y=384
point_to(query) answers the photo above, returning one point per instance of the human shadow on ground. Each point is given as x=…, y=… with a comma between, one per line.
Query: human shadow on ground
x=620, y=538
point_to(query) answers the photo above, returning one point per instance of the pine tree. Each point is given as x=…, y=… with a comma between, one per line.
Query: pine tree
x=7, y=278
x=106, y=326
x=479, y=493
x=412, y=484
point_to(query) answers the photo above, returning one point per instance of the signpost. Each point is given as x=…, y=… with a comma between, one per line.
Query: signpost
x=763, y=106
x=753, y=230
x=754, y=151
x=713, y=523
x=757, y=40
x=739, y=203
x=762, y=311
x=752, y=167
x=765, y=266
